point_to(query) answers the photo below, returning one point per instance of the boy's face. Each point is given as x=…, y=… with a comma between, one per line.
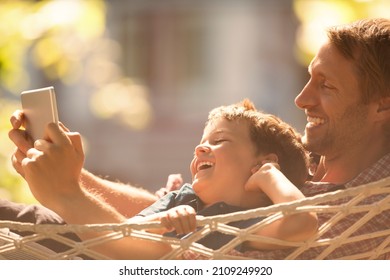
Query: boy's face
x=222, y=163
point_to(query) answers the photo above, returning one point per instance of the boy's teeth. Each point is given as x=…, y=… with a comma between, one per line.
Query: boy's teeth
x=205, y=164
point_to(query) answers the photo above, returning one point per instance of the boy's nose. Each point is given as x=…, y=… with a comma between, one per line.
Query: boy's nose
x=201, y=149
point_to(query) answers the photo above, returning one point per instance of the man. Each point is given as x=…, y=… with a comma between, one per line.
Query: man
x=347, y=100
x=347, y=103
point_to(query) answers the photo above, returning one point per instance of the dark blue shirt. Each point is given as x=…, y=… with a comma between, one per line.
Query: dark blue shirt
x=187, y=196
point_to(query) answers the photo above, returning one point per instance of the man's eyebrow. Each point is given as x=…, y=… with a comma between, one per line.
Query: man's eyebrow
x=319, y=72
x=310, y=67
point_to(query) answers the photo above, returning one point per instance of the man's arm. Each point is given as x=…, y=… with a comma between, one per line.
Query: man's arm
x=52, y=169
x=126, y=199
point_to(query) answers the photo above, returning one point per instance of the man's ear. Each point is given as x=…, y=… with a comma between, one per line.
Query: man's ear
x=383, y=111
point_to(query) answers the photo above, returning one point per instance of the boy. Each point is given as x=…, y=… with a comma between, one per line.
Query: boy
x=237, y=163
x=247, y=152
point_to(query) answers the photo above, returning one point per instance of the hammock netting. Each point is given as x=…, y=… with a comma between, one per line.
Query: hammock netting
x=364, y=211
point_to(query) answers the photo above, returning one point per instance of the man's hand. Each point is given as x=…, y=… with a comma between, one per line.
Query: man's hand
x=52, y=167
x=21, y=140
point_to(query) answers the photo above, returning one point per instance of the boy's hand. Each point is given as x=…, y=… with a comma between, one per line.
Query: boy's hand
x=259, y=178
x=181, y=218
x=175, y=181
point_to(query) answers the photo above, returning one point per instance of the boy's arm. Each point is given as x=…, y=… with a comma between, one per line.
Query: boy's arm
x=295, y=227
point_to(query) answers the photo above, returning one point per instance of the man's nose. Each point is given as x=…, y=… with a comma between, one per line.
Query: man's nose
x=307, y=97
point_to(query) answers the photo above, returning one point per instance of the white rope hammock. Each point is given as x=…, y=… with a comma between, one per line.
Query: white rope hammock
x=358, y=206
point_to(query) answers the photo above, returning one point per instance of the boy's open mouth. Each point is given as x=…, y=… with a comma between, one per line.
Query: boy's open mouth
x=204, y=165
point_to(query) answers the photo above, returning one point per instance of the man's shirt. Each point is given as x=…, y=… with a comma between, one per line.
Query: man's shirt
x=381, y=221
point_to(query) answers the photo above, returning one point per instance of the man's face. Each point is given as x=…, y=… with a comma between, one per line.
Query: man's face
x=222, y=162
x=336, y=118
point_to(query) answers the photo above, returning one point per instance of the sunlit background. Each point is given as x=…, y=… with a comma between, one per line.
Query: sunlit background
x=137, y=78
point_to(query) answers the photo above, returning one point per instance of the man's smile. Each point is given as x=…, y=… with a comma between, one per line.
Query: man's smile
x=314, y=121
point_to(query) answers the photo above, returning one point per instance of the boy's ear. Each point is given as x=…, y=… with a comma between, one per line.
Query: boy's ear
x=262, y=159
x=270, y=157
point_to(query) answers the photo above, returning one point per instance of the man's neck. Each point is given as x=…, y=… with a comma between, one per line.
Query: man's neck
x=339, y=169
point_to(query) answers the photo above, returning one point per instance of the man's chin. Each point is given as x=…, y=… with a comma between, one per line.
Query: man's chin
x=306, y=143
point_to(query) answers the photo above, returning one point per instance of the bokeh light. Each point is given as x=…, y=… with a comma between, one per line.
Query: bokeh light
x=161, y=62
x=316, y=15
x=125, y=101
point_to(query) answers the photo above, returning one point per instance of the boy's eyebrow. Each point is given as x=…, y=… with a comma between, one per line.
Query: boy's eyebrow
x=216, y=132
x=219, y=131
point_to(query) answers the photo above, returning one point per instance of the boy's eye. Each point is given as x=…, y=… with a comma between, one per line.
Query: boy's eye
x=218, y=141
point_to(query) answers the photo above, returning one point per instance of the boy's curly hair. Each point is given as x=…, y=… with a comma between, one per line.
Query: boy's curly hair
x=270, y=135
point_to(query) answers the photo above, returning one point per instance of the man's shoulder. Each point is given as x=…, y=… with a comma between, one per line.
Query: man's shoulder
x=377, y=171
x=311, y=188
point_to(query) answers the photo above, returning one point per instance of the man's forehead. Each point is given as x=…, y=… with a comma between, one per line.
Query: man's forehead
x=328, y=62
x=321, y=58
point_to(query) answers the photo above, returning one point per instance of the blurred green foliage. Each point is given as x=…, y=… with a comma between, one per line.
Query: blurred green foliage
x=11, y=185
x=52, y=37
x=316, y=15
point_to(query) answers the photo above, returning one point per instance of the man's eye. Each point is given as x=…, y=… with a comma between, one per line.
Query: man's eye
x=328, y=86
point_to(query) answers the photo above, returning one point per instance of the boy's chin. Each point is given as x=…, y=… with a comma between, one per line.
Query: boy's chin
x=199, y=185
x=196, y=184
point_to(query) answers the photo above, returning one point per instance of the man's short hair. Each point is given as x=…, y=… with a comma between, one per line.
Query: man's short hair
x=367, y=43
